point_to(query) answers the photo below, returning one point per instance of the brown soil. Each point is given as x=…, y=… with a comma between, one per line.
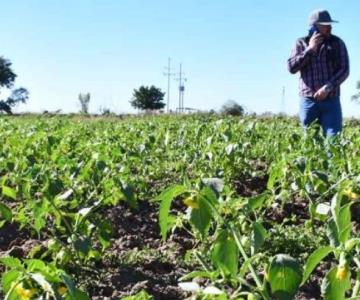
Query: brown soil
x=158, y=275
x=11, y=235
x=250, y=186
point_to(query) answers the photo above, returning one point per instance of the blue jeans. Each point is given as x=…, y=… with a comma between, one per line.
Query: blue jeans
x=326, y=112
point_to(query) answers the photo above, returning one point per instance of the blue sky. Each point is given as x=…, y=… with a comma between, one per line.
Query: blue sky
x=229, y=50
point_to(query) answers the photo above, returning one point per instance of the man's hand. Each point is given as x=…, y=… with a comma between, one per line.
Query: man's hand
x=321, y=93
x=315, y=40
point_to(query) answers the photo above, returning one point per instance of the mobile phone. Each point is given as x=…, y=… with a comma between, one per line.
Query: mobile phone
x=313, y=30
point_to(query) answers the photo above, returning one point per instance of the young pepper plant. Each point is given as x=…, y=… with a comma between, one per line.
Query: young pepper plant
x=33, y=278
x=344, y=247
x=205, y=212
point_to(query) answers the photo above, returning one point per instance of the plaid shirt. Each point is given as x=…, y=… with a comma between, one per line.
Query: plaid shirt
x=329, y=66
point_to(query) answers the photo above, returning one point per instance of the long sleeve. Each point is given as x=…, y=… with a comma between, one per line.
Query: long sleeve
x=343, y=72
x=300, y=57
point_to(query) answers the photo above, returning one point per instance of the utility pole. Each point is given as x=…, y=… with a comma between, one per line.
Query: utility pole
x=282, y=109
x=168, y=74
x=181, y=80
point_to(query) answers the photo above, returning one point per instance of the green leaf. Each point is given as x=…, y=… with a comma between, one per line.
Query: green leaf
x=8, y=278
x=340, y=226
x=284, y=276
x=11, y=262
x=258, y=237
x=209, y=195
x=171, y=192
x=35, y=265
x=129, y=195
x=166, y=198
x=69, y=284
x=350, y=244
x=332, y=233
x=335, y=205
x=5, y=212
x=333, y=287
x=39, y=212
x=344, y=222
x=274, y=174
x=9, y=192
x=225, y=254
x=257, y=201
x=314, y=259
x=200, y=217
x=12, y=295
x=105, y=232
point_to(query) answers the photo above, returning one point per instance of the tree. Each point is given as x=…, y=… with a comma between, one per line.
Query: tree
x=148, y=98
x=84, y=101
x=232, y=108
x=7, y=79
x=356, y=97
x=17, y=96
x=7, y=76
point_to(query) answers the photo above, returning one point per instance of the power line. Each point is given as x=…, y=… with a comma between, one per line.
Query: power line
x=168, y=74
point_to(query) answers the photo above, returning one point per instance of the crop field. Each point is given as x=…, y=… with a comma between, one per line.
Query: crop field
x=198, y=207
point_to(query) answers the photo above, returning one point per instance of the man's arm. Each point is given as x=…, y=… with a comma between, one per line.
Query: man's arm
x=343, y=72
x=300, y=57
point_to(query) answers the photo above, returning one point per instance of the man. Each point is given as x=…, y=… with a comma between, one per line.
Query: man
x=323, y=63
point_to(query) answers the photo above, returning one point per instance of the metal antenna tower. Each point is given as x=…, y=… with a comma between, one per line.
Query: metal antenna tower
x=181, y=80
x=168, y=73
